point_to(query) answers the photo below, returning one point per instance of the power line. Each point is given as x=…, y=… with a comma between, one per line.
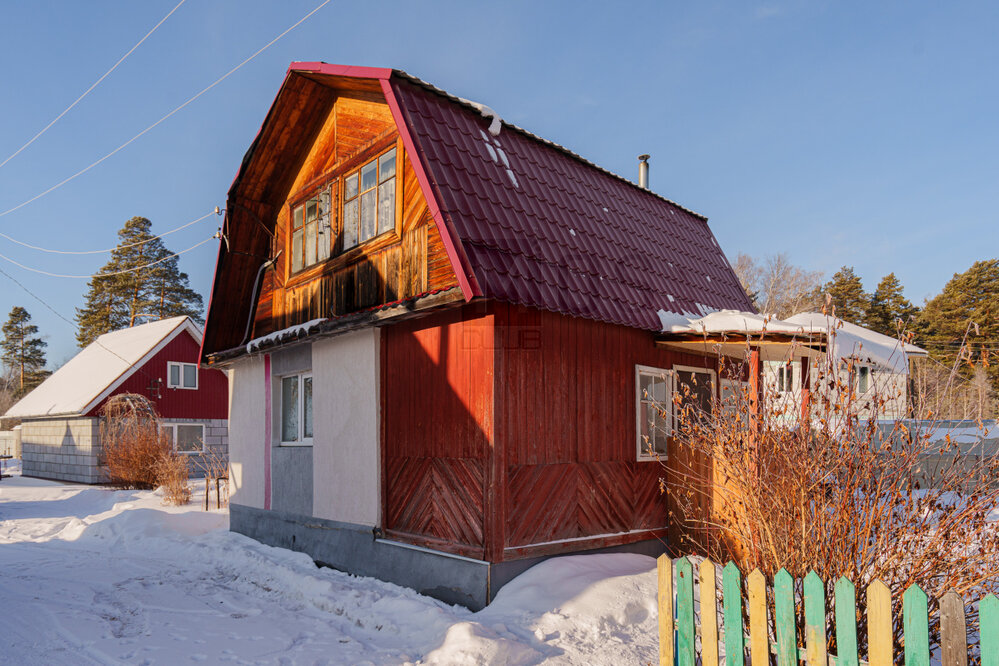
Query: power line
x=101, y=275
x=59, y=314
x=134, y=138
x=95, y=84
x=118, y=247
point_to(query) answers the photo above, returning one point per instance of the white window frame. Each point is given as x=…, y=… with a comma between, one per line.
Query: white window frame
x=173, y=437
x=862, y=369
x=180, y=365
x=641, y=451
x=302, y=439
x=691, y=368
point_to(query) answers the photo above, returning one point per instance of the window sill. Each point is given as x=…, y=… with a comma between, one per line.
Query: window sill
x=183, y=388
x=294, y=444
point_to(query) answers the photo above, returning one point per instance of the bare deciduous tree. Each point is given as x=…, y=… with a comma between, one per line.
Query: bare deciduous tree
x=778, y=287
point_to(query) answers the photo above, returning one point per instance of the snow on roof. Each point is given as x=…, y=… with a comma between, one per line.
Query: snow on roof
x=102, y=365
x=732, y=321
x=853, y=341
x=847, y=340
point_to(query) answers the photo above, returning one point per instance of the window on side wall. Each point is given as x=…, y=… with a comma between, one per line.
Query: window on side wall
x=369, y=200
x=654, y=411
x=785, y=378
x=296, y=409
x=864, y=377
x=186, y=438
x=732, y=394
x=310, y=232
x=695, y=390
x=182, y=375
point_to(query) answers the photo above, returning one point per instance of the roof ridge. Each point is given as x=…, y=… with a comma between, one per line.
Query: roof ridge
x=472, y=106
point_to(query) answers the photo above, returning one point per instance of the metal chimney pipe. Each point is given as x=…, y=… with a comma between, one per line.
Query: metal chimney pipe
x=643, y=171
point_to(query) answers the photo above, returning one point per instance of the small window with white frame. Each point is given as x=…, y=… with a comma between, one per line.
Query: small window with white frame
x=732, y=394
x=653, y=411
x=865, y=375
x=182, y=375
x=296, y=410
x=186, y=438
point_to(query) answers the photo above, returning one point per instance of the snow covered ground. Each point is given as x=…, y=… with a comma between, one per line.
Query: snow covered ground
x=93, y=576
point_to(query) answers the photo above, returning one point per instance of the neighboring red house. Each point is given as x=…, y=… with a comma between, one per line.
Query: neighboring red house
x=442, y=336
x=60, y=430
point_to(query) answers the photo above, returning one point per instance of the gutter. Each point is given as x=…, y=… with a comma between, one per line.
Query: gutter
x=256, y=292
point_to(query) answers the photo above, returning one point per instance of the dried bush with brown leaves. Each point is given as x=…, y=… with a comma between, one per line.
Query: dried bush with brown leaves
x=134, y=451
x=214, y=465
x=172, y=475
x=770, y=487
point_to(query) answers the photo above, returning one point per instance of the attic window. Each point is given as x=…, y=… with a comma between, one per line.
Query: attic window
x=369, y=200
x=182, y=375
x=310, y=236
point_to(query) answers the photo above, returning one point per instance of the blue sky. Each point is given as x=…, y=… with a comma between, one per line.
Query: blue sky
x=859, y=133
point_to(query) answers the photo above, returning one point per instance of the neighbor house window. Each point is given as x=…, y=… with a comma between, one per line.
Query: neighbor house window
x=185, y=437
x=785, y=378
x=863, y=379
x=654, y=410
x=310, y=232
x=182, y=375
x=369, y=200
x=695, y=390
x=296, y=409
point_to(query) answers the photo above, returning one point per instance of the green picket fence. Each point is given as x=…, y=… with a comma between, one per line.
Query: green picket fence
x=678, y=633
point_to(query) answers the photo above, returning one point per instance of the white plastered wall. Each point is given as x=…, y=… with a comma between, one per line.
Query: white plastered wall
x=346, y=400
x=248, y=438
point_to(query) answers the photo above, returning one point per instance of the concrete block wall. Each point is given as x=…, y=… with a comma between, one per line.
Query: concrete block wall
x=216, y=441
x=67, y=449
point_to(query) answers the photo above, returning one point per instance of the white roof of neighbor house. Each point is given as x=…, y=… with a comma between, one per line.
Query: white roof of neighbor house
x=852, y=341
x=102, y=366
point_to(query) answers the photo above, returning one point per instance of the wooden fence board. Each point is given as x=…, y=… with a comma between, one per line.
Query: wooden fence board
x=735, y=648
x=953, y=630
x=685, y=655
x=759, y=643
x=787, y=639
x=664, y=566
x=916, y=629
x=709, y=614
x=988, y=630
x=846, y=623
x=880, y=643
x=815, y=620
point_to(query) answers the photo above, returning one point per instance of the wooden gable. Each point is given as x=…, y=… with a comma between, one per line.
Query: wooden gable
x=321, y=129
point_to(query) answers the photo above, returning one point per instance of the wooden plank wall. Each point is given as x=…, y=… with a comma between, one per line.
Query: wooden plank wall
x=566, y=410
x=437, y=416
x=384, y=270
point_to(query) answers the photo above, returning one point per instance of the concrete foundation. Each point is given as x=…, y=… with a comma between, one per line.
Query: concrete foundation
x=357, y=549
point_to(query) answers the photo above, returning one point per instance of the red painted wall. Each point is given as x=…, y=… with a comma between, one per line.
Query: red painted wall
x=506, y=427
x=209, y=401
x=437, y=418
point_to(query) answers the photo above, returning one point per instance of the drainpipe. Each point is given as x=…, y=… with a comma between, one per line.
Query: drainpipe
x=253, y=297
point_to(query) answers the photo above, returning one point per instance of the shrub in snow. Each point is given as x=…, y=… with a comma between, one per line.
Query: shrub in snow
x=136, y=453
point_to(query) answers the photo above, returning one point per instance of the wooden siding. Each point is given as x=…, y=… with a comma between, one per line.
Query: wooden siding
x=509, y=432
x=209, y=401
x=566, y=408
x=395, y=266
x=437, y=415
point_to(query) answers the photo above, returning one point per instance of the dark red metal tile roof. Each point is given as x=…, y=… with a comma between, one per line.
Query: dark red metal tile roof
x=543, y=227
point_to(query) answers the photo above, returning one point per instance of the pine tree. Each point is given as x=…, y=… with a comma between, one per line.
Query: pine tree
x=848, y=296
x=23, y=350
x=968, y=300
x=140, y=283
x=888, y=305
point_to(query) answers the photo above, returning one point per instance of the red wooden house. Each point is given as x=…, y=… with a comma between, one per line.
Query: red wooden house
x=60, y=429
x=442, y=332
